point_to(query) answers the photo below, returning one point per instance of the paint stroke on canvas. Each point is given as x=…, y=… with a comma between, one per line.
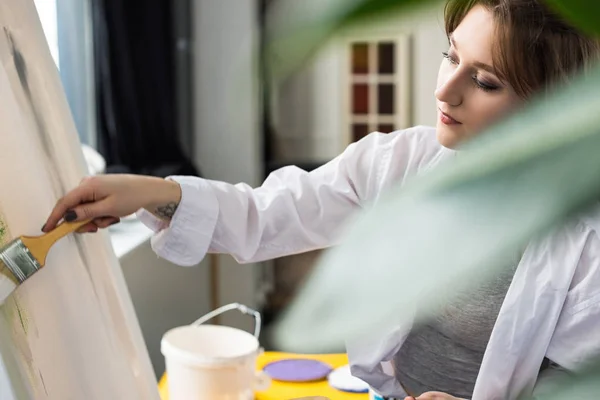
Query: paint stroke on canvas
x=70, y=331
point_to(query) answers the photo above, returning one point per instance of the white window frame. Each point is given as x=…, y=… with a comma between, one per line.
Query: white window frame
x=402, y=79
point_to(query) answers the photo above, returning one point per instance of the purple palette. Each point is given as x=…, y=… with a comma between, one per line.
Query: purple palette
x=297, y=370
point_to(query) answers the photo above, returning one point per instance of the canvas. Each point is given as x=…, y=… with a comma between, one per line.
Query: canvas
x=70, y=331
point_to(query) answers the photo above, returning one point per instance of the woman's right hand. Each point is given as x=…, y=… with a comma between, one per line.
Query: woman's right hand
x=106, y=198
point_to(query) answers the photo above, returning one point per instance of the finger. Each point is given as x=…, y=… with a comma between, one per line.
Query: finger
x=433, y=396
x=92, y=210
x=98, y=223
x=87, y=228
x=105, y=222
x=75, y=197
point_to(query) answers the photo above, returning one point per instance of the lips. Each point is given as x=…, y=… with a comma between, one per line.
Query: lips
x=447, y=119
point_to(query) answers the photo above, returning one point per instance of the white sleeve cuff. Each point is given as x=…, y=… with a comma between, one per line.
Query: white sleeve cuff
x=150, y=220
x=187, y=238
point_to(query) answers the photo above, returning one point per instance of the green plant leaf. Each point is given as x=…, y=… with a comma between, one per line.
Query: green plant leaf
x=585, y=14
x=455, y=225
x=368, y=10
x=583, y=385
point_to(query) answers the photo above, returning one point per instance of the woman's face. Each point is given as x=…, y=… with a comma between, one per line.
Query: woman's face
x=470, y=96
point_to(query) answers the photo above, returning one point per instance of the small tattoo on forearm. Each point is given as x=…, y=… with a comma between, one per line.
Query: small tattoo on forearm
x=167, y=211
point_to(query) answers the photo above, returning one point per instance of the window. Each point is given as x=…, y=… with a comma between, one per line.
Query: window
x=47, y=13
x=67, y=27
x=378, y=85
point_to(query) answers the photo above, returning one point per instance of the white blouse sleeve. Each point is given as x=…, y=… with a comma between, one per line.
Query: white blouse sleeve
x=293, y=211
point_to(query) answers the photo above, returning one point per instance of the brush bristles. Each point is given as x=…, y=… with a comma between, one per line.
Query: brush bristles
x=17, y=258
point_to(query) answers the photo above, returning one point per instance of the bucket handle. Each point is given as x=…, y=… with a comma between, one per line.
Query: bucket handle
x=244, y=309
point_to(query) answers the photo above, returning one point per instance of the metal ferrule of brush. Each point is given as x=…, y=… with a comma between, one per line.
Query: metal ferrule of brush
x=19, y=260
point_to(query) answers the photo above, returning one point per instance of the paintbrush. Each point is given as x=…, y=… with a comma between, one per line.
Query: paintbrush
x=25, y=255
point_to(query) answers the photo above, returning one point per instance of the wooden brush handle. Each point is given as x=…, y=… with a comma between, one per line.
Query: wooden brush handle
x=39, y=246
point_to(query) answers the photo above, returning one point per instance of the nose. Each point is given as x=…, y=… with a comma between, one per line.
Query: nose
x=449, y=90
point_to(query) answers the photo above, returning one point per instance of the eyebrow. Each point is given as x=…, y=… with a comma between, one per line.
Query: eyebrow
x=477, y=64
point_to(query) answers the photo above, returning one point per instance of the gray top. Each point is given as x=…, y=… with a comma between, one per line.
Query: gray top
x=444, y=353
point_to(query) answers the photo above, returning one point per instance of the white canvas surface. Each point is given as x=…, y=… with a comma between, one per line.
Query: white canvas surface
x=70, y=331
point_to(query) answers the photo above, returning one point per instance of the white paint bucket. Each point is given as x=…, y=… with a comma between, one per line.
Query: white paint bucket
x=213, y=362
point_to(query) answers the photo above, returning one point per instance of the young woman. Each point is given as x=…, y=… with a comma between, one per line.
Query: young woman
x=540, y=318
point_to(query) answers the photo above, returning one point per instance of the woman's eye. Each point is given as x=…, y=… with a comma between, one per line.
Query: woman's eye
x=448, y=57
x=487, y=87
x=483, y=85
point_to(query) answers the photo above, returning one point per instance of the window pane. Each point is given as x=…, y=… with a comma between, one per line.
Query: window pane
x=360, y=58
x=359, y=131
x=385, y=97
x=46, y=10
x=386, y=128
x=385, y=56
x=360, y=99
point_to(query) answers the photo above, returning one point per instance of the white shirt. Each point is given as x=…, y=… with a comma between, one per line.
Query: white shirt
x=552, y=308
x=293, y=211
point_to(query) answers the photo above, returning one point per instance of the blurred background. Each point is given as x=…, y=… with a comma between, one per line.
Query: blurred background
x=186, y=87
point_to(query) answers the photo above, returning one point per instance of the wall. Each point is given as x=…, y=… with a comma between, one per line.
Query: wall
x=227, y=139
x=164, y=295
x=310, y=102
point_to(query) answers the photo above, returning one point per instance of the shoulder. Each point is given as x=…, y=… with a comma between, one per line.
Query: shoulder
x=421, y=139
x=380, y=160
x=407, y=150
x=420, y=145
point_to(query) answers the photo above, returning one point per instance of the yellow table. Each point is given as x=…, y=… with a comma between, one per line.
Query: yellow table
x=284, y=390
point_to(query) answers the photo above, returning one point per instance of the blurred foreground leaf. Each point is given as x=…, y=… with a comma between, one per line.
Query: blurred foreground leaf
x=584, y=385
x=368, y=10
x=455, y=225
x=585, y=14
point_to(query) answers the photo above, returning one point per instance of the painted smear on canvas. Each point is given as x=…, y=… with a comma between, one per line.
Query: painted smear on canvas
x=4, y=234
x=5, y=238
x=18, y=322
x=17, y=312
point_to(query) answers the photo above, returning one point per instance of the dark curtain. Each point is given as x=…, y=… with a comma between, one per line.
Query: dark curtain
x=265, y=84
x=135, y=88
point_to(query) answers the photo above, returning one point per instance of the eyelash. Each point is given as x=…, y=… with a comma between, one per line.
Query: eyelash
x=481, y=85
